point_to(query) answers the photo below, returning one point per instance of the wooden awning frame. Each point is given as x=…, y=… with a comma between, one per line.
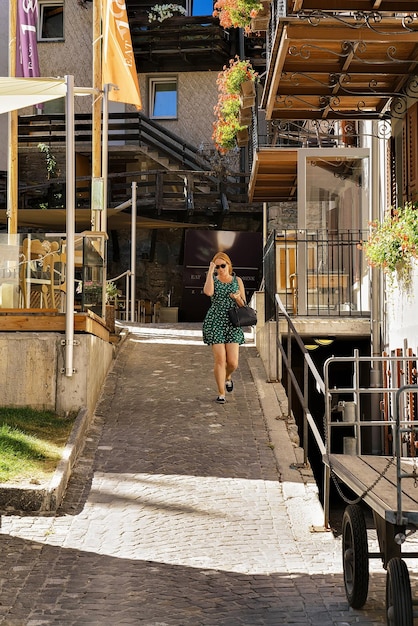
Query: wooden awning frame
x=331, y=65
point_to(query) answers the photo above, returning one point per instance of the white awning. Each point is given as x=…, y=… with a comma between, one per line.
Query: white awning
x=17, y=93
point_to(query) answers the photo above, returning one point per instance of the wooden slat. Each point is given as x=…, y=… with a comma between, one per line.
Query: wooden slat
x=360, y=472
x=44, y=320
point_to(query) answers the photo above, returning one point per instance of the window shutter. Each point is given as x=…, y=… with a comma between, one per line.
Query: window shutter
x=410, y=150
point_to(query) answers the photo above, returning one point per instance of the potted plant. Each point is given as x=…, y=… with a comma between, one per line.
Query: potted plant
x=237, y=78
x=393, y=243
x=161, y=12
x=112, y=293
x=261, y=21
x=230, y=123
x=236, y=13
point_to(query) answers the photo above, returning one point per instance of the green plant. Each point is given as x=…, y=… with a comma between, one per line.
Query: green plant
x=111, y=291
x=50, y=160
x=232, y=76
x=227, y=125
x=236, y=13
x=161, y=12
x=393, y=243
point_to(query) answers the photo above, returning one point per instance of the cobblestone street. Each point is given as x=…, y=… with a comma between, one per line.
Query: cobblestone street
x=177, y=513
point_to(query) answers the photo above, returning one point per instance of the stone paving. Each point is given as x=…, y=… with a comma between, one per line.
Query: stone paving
x=177, y=513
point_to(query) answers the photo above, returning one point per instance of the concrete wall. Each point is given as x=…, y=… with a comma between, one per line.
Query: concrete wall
x=401, y=321
x=265, y=338
x=31, y=367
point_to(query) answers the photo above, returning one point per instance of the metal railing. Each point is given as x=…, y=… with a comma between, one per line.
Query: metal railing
x=372, y=393
x=317, y=273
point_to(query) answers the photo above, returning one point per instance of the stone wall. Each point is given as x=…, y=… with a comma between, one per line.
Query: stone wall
x=161, y=271
x=282, y=216
x=197, y=95
x=74, y=55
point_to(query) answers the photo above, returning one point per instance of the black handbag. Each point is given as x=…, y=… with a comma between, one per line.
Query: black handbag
x=242, y=315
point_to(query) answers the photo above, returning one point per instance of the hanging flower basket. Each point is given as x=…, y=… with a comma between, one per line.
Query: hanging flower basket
x=261, y=21
x=230, y=114
x=236, y=13
x=393, y=244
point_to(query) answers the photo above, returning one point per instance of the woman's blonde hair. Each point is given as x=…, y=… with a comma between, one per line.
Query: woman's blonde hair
x=224, y=257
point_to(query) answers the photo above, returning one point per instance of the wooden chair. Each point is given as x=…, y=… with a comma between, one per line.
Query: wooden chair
x=36, y=273
x=59, y=266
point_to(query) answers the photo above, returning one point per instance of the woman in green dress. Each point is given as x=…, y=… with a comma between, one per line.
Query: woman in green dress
x=225, y=289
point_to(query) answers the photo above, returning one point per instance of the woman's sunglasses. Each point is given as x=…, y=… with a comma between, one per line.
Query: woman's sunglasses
x=223, y=265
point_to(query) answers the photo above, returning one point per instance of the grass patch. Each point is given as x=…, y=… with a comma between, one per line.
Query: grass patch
x=31, y=443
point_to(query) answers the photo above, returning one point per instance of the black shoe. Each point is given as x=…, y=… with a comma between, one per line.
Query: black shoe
x=229, y=385
x=220, y=400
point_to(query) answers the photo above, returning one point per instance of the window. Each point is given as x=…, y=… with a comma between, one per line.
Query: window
x=163, y=97
x=200, y=7
x=51, y=20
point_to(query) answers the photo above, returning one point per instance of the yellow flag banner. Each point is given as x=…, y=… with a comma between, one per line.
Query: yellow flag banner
x=118, y=61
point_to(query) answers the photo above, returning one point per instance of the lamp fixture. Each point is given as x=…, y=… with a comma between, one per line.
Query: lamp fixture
x=324, y=341
x=311, y=346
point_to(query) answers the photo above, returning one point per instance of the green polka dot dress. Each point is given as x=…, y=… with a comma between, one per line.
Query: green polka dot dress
x=216, y=326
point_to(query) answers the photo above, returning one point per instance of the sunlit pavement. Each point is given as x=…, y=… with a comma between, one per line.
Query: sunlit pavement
x=180, y=511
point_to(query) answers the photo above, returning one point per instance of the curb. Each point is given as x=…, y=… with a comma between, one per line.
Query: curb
x=299, y=487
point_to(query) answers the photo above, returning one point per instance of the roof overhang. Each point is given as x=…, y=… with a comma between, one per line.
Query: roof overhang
x=273, y=175
x=350, y=65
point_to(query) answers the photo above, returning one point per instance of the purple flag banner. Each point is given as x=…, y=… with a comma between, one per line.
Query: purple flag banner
x=27, y=62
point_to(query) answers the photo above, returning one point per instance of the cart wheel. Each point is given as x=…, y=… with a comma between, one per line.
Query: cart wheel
x=399, y=609
x=355, y=556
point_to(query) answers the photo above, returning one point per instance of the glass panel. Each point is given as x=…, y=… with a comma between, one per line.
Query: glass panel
x=52, y=21
x=336, y=193
x=10, y=251
x=202, y=7
x=33, y=271
x=332, y=274
x=164, y=99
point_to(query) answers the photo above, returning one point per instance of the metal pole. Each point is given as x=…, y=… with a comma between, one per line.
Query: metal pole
x=133, y=251
x=103, y=219
x=127, y=295
x=12, y=195
x=97, y=105
x=70, y=224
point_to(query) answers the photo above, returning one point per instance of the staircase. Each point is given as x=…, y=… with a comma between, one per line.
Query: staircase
x=185, y=181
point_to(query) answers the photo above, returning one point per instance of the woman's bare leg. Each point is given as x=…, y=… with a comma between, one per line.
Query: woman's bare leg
x=219, y=356
x=232, y=357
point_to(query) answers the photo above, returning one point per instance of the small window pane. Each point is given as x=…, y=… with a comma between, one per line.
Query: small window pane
x=202, y=7
x=164, y=99
x=52, y=21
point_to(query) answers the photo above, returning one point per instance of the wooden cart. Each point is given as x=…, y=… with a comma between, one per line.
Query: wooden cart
x=387, y=483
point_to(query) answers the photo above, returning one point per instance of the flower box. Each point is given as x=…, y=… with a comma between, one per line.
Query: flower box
x=247, y=94
x=243, y=137
x=247, y=89
x=261, y=21
x=245, y=116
